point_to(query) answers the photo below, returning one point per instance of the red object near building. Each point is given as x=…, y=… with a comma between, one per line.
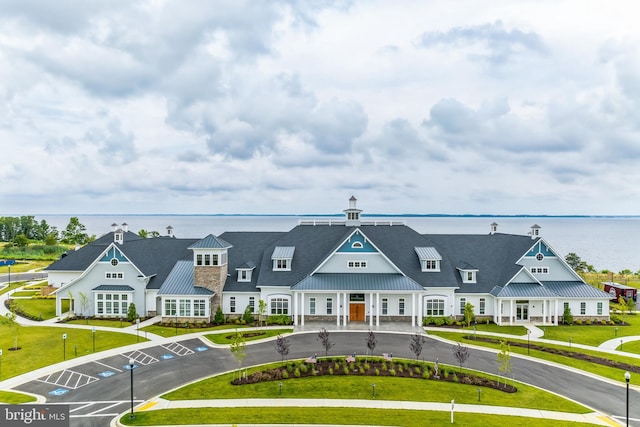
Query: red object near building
x=616, y=290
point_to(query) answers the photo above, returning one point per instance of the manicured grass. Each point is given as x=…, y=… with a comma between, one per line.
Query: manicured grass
x=108, y=323
x=593, y=335
x=14, y=285
x=605, y=371
x=227, y=337
x=13, y=398
x=23, y=266
x=171, y=331
x=43, y=308
x=338, y=416
x=359, y=387
x=25, y=293
x=492, y=327
x=630, y=347
x=43, y=346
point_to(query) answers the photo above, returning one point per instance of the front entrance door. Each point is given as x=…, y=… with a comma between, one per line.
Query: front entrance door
x=522, y=312
x=356, y=312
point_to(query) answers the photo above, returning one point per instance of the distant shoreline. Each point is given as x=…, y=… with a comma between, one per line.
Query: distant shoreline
x=383, y=215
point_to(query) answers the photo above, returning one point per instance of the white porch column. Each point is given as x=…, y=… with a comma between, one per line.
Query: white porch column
x=420, y=309
x=371, y=309
x=295, y=309
x=555, y=317
x=413, y=309
x=496, y=311
x=510, y=312
x=544, y=312
x=338, y=308
x=377, y=308
x=302, y=308
x=346, y=309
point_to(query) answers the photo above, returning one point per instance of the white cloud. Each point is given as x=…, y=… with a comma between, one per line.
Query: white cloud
x=181, y=106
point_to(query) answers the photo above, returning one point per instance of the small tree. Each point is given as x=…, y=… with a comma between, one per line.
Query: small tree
x=461, y=353
x=504, y=360
x=21, y=240
x=567, y=317
x=132, y=315
x=323, y=336
x=238, y=348
x=10, y=319
x=247, y=316
x=631, y=305
x=71, y=304
x=416, y=344
x=218, y=318
x=469, y=315
x=282, y=347
x=262, y=310
x=371, y=343
x=84, y=304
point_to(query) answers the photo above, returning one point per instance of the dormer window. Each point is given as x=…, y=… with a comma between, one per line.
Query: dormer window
x=118, y=236
x=468, y=274
x=282, y=258
x=429, y=259
x=244, y=271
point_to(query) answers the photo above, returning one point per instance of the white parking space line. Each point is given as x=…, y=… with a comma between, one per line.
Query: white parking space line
x=140, y=357
x=178, y=349
x=108, y=366
x=81, y=407
x=105, y=408
x=68, y=379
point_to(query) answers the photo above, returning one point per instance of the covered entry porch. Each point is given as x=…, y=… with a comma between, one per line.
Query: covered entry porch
x=524, y=303
x=364, y=298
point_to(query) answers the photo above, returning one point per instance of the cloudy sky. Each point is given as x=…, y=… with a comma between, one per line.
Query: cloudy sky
x=499, y=107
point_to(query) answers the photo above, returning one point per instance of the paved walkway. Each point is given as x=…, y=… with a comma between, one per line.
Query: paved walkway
x=593, y=417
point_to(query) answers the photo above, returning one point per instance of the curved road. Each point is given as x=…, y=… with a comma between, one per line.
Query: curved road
x=170, y=364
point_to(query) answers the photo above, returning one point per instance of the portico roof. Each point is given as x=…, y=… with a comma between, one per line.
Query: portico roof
x=523, y=290
x=355, y=282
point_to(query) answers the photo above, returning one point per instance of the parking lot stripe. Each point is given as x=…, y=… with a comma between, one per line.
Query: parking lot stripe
x=108, y=366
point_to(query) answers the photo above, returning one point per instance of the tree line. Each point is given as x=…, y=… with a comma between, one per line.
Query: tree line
x=23, y=229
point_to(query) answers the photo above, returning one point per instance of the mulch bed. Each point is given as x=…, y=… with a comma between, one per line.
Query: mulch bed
x=573, y=354
x=382, y=368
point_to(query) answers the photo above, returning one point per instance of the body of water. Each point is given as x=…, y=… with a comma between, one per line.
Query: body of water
x=611, y=243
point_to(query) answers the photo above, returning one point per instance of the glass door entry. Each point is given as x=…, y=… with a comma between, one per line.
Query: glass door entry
x=522, y=312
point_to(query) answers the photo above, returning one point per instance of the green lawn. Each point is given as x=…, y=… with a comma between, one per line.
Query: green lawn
x=23, y=266
x=630, y=347
x=492, y=327
x=605, y=371
x=593, y=335
x=337, y=416
x=171, y=331
x=13, y=398
x=359, y=387
x=108, y=323
x=14, y=285
x=43, y=346
x=227, y=337
x=42, y=308
x=25, y=293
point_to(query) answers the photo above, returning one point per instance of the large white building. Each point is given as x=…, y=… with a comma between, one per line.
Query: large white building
x=349, y=270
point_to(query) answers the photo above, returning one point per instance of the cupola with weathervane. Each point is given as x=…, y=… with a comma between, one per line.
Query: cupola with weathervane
x=352, y=215
x=210, y=265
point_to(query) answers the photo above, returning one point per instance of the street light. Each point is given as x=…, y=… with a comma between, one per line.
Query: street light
x=528, y=341
x=137, y=329
x=64, y=346
x=627, y=377
x=131, y=365
x=93, y=332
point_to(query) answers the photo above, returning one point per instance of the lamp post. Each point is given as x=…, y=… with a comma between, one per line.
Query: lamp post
x=93, y=333
x=627, y=377
x=64, y=346
x=479, y=391
x=137, y=329
x=373, y=390
x=280, y=384
x=528, y=341
x=615, y=331
x=131, y=365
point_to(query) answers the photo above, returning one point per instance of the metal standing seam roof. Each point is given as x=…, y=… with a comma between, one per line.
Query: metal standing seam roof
x=428, y=254
x=210, y=242
x=283, y=252
x=113, y=288
x=180, y=281
x=562, y=289
x=357, y=282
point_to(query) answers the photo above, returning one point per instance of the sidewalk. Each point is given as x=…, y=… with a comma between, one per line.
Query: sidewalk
x=158, y=404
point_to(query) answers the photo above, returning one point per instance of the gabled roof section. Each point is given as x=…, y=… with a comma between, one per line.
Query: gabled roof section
x=211, y=242
x=465, y=266
x=180, y=281
x=357, y=282
x=425, y=254
x=283, y=252
x=249, y=265
x=524, y=290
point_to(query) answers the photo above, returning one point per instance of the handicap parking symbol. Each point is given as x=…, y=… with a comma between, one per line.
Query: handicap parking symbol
x=59, y=392
x=202, y=348
x=166, y=356
x=106, y=374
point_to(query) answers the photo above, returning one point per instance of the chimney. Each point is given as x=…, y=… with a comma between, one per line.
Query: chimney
x=114, y=226
x=125, y=227
x=494, y=228
x=170, y=231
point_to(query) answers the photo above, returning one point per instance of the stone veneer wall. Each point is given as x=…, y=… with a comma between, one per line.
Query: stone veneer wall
x=212, y=278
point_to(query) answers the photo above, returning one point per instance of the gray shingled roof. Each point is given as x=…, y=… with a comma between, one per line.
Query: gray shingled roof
x=210, y=242
x=180, y=281
x=357, y=282
x=113, y=288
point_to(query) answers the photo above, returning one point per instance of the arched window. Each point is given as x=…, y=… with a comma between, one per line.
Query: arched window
x=434, y=307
